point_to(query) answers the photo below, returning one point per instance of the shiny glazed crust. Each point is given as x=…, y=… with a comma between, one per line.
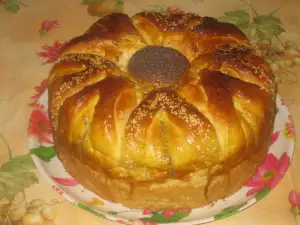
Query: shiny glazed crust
x=161, y=147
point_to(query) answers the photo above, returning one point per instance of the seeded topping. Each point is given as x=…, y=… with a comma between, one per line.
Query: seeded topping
x=239, y=57
x=232, y=51
x=168, y=100
x=158, y=65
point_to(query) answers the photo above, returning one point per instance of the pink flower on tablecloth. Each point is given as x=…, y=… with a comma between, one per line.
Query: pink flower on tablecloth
x=294, y=199
x=51, y=52
x=39, y=125
x=39, y=91
x=47, y=25
x=289, y=129
x=174, y=10
x=269, y=173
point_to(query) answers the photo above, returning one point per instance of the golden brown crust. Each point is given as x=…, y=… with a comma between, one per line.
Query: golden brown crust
x=155, y=147
x=113, y=37
x=190, y=34
x=211, y=28
x=192, y=191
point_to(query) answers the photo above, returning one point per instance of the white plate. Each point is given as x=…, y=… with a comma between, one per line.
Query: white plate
x=278, y=160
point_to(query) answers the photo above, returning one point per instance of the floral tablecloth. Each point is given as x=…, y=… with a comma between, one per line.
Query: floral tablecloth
x=31, y=35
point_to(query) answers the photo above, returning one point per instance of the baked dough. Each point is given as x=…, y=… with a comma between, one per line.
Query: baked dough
x=161, y=112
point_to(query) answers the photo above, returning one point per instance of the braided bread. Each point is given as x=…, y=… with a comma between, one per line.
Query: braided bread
x=161, y=112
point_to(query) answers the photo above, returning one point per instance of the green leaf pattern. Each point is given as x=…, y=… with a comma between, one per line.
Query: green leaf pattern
x=119, y=2
x=80, y=205
x=267, y=26
x=15, y=176
x=18, y=164
x=261, y=27
x=12, y=6
x=229, y=211
x=262, y=193
x=239, y=18
x=44, y=153
x=159, y=217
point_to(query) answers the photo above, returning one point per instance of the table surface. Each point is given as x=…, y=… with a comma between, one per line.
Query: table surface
x=31, y=34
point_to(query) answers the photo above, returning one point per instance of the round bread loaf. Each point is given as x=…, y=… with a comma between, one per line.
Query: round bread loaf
x=161, y=112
